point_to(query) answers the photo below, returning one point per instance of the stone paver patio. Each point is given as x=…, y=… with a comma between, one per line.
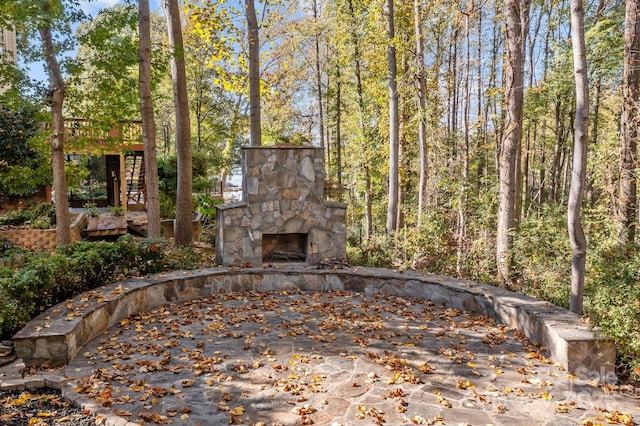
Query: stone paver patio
x=290, y=358
x=293, y=344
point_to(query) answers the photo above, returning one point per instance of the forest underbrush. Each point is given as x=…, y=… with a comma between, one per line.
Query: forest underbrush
x=541, y=265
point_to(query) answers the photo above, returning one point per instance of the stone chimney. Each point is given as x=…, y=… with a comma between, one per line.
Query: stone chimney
x=282, y=216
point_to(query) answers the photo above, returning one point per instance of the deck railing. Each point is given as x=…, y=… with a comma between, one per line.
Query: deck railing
x=82, y=133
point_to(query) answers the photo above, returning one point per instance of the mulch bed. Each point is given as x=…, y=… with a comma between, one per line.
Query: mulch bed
x=39, y=408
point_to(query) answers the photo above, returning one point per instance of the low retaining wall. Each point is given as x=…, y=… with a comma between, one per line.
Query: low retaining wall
x=42, y=239
x=57, y=335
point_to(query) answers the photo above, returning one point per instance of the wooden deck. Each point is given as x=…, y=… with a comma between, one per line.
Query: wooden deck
x=107, y=225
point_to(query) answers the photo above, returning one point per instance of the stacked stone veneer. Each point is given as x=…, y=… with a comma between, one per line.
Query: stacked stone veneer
x=42, y=239
x=282, y=193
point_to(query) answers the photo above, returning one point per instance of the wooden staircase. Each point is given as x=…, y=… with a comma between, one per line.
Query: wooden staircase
x=136, y=188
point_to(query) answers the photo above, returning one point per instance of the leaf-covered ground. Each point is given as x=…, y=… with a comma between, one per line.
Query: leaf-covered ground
x=330, y=358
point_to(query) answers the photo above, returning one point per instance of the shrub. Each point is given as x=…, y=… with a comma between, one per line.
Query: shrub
x=86, y=265
x=24, y=163
x=206, y=207
x=15, y=257
x=40, y=216
x=373, y=252
x=44, y=211
x=16, y=218
x=98, y=263
x=168, y=180
x=542, y=256
x=150, y=256
x=432, y=248
x=185, y=258
x=12, y=315
x=429, y=249
x=44, y=282
x=5, y=272
x=8, y=251
x=613, y=300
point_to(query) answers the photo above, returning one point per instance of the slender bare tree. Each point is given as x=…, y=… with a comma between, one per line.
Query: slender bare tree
x=512, y=135
x=579, y=169
x=363, y=112
x=183, y=235
x=255, y=121
x=422, y=109
x=63, y=226
x=148, y=122
x=628, y=205
x=394, y=142
x=316, y=45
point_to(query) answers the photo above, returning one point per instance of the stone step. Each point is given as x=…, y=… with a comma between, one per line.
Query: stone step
x=6, y=348
x=8, y=359
x=7, y=354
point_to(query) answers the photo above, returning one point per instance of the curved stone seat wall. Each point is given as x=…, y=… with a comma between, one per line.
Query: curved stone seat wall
x=56, y=336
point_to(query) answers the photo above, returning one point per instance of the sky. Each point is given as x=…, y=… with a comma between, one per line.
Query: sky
x=93, y=7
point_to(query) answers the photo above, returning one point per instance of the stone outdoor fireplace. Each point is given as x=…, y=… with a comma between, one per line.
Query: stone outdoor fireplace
x=282, y=216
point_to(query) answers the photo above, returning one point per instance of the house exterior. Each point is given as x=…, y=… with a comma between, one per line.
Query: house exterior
x=8, y=45
x=7, y=49
x=118, y=162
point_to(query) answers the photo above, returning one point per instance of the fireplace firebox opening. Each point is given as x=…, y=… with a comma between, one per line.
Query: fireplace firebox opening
x=284, y=247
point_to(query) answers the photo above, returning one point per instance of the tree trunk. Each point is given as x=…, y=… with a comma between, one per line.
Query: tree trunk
x=184, y=198
x=532, y=43
x=499, y=134
x=524, y=31
x=556, y=169
x=362, y=109
x=254, y=73
x=511, y=139
x=594, y=138
x=327, y=113
x=482, y=118
x=318, y=78
x=525, y=175
x=338, y=127
x=401, y=174
x=628, y=209
x=422, y=107
x=148, y=123
x=543, y=158
x=543, y=154
x=453, y=87
x=464, y=152
x=392, y=208
x=362, y=112
x=63, y=226
x=576, y=233
x=198, y=111
x=368, y=201
x=404, y=160
x=491, y=106
x=356, y=56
